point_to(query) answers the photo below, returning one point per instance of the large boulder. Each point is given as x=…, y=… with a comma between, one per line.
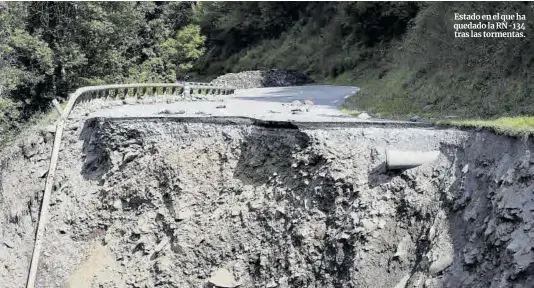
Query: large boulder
x=258, y=79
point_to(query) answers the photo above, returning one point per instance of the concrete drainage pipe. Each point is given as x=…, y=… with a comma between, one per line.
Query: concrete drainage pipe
x=401, y=160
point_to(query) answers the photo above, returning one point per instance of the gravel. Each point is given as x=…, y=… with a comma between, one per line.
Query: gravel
x=171, y=112
x=150, y=203
x=258, y=79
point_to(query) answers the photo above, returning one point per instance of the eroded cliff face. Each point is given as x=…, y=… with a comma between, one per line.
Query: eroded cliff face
x=169, y=203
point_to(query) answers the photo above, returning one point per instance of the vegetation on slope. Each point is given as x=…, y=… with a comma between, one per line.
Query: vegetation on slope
x=433, y=72
x=512, y=126
x=404, y=56
x=48, y=49
x=323, y=39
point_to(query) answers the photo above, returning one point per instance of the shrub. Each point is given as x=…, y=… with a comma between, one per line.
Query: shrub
x=9, y=119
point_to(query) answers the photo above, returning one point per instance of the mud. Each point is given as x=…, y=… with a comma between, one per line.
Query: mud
x=151, y=203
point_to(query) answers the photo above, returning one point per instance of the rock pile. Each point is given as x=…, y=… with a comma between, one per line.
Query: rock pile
x=258, y=79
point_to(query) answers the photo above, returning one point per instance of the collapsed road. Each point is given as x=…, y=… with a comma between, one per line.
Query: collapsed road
x=158, y=193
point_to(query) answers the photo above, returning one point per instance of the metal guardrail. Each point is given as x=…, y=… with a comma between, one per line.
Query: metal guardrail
x=89, y=93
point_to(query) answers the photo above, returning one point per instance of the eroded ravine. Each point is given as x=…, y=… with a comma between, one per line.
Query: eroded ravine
x=146, y=203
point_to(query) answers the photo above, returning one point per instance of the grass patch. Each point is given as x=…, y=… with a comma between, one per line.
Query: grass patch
x=403, y=93
x=344, y=79
x=350, y=112
x=389, y=97
x=511, y=126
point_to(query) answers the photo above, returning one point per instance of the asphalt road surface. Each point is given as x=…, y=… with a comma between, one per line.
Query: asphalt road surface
x=260, y=103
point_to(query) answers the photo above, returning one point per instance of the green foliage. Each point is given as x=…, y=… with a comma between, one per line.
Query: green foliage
x=350, y=112
x=48, y=49
x=9, y=116
x=8, y=111
x=231, y=27
x=181, y=51
x=403, y=54
x=172, y=58
x=512, y=126
x=466, y=77
x=25, y=59
x=323, y=39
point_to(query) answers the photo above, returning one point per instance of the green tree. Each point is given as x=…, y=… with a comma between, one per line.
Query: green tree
x=26, y=60
x=181, y=51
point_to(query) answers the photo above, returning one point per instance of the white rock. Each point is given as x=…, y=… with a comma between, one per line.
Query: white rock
x=470, y=257
x=165, y=111
x=117, y=204
x=381, y=224
x=440, y=264
x=223, y=278
x=9, y=243
x=364, y=116
x=431, y=233
x=108, y=238
x=402, y=283
x=50, y=128
x=43, y=172
x=465, y=169
x=236, y=211
x=129, y=156
x=184, y=214
x=129, y=101
x=369, y=225
x=402, y=248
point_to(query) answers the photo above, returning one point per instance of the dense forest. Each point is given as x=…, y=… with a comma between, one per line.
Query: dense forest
x=403, y=54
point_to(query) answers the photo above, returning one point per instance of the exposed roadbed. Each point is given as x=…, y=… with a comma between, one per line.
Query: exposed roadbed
x=274, y=104
x=237, y=120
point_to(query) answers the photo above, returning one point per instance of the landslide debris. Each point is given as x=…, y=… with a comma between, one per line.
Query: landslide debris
x=259, y=78
x=146, y=203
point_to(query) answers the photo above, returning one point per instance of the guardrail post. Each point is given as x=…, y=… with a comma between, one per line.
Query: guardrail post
x=187, y=90
x=145, y=92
